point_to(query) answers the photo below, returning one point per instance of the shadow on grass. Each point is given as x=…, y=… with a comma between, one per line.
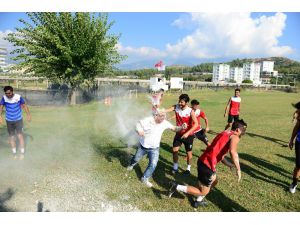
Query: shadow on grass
x=292, y=159
x=40, y=207
x=265, y=166
x=275, y=140
x=4, y=197
x=164, y=167
x=111, y=151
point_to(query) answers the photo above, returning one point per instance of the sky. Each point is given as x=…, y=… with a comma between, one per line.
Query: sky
x=193, y=38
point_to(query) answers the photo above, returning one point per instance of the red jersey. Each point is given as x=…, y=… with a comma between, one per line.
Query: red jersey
x=235, y=103
x=183, y=116
x=217, y=150
x=199, y=114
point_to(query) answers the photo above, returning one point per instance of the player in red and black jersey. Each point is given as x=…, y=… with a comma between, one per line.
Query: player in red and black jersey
x=200, y=132
x=225, y=142
x=184, y=114
x=234, y=108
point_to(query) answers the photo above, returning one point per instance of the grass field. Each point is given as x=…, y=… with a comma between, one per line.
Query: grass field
x=76, y=159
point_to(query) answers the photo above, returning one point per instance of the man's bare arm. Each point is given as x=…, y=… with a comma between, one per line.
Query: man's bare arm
x=234, y=155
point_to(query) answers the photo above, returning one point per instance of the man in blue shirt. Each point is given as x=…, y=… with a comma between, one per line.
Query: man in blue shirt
x=14, y=104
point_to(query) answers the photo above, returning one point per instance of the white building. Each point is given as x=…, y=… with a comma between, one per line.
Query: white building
x=267, y=67
x=251, y=71
x=236, y=73
x=3, y=53
x=221, y=72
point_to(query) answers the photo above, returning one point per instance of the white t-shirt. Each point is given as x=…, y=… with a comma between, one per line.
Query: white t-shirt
x=152, y=131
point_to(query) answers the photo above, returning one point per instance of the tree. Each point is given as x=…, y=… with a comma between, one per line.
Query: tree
x=247, y=82
x=70, y=48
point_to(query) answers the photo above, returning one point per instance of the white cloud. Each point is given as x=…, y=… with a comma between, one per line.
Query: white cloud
x=4, y=43
x=217, y=35
x=141, y=53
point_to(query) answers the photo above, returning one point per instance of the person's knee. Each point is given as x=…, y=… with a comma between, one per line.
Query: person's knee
x=175, y=150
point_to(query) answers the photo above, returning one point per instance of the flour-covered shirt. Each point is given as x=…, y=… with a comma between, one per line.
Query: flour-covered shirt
x=152, y=131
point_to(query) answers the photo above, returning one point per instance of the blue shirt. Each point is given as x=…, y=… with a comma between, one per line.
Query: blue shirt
x=298, y=136
x=13, y=107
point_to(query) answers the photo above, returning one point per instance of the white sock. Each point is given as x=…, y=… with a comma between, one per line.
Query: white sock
x=22, y=150
x=188, y=167
x=175, y=166
x=200, y=198
x=14, y=150
x=181, y=188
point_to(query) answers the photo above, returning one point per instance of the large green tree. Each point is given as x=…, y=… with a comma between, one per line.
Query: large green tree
x=66, y=47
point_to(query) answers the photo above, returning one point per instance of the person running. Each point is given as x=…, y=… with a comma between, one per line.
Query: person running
x=184, y=114
x=226, y=141
x=150, y=131
x=156, y=100
x=200, y=132
x=14, y=104
x=296, y=134
x=234, y=108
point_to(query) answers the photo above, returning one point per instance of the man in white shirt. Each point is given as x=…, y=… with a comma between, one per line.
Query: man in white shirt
x=150, y=130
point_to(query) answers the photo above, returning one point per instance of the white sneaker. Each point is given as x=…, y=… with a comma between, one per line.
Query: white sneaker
x=293, y=188
x=129, y=168
x=147, y=183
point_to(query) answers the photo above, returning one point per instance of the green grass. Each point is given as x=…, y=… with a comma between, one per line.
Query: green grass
x=75, y=160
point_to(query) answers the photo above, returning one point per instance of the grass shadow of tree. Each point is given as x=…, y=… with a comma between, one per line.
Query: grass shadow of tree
x=264, y=165
x=111, y=152
x=274, y=140
x=4, y=197
x=291, y=159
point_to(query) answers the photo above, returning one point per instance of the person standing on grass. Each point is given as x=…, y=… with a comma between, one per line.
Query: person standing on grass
x=234, y=108
x=184, y=114
x=14, y=104
x=225, y=142
x=156, y=100
x=200, y=132
x=296, y=134
x=150, y=131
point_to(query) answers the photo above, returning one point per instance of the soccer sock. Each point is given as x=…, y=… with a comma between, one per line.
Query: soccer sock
x=22, y=150
x=295, y=181
x=14, y=150
x=188, y=167
x=175, y=166
x=200, y=198
x=181, y=188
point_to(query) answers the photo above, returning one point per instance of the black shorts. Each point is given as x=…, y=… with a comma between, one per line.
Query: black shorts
x=297, y=151
x=188, y=142
x=204, y=174
x=201, y=136
x=14, y=127
x=232, y=118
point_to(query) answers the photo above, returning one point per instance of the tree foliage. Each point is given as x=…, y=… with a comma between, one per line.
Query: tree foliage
x=66, y=47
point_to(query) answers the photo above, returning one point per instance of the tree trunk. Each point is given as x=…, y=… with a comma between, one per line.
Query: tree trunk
x=72, y=95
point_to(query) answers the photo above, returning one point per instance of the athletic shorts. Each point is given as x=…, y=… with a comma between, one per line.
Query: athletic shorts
x=232, y=118
x=204, y=174
x=188, y=142
x=201, y=136
x=297, y=151
x=14, y=127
